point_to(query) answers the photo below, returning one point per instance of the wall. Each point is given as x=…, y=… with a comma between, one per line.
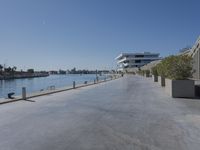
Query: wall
x=196, y=65
x=195, y=53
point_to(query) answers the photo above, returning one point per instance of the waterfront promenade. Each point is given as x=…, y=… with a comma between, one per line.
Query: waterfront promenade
x=130, y=113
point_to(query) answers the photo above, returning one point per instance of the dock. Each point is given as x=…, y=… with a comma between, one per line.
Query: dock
x=129, y=113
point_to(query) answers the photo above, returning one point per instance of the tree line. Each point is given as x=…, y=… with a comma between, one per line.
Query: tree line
x=13, y=69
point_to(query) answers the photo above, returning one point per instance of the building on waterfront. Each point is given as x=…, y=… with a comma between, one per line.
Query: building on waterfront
x=131, y=62
x=53, y=72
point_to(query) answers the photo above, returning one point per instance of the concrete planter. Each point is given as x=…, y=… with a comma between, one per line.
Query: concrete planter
x=180, y=88
x=161, y=81
x=197, y=90
x=147, y=75
x=155, y=78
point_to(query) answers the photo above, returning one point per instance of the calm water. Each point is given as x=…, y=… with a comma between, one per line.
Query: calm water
x=37, y=84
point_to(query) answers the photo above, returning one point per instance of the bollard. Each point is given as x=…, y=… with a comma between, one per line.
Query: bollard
x=97, y=79
x=94, y=81
x=23, y=93
x=74, y=84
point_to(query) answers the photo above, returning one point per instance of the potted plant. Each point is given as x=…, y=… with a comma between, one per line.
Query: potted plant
x=154, y=73
x=177, y=71
x=141, y=72
x=161, y=73
x=147, y=73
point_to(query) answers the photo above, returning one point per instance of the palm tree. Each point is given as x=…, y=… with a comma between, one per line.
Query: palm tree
x=1, y=68
x=14, y=68
x=9, y=69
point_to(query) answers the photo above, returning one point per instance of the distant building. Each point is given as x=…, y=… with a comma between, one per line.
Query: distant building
x=53, y=72
x=131, y=62
x=62, y=71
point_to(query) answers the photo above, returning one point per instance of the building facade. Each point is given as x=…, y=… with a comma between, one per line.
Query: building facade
x=131, y=62
x=195, y=54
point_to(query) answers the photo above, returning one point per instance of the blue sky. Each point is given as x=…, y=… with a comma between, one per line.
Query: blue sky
x=54, y=34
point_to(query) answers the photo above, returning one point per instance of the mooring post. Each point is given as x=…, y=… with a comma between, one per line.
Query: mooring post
x=24, y=93
x=74, y=84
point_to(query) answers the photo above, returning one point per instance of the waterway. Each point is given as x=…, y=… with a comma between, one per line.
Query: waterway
x=43, y=83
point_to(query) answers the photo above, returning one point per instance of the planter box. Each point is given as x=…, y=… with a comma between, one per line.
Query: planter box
x=161, y=80
x=180, y=88
x=197, y=90
x=155, y=78
x=147, y=75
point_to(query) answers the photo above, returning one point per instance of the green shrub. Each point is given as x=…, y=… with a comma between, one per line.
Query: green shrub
x=160, y=69
x=176, y=67
x=139, y=72
x=142, y=72
x=147, y=72
x=154, y=71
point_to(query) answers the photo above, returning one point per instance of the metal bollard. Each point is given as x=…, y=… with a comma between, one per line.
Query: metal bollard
x=74, y=84
x=94, y=81
x=23, y=93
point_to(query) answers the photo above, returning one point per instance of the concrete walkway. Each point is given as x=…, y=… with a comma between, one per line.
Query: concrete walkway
x=131, y=113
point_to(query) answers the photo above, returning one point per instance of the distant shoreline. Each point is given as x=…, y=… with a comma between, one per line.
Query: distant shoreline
x=23, y=75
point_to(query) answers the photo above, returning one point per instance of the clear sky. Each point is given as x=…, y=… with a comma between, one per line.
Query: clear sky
x=54, y=34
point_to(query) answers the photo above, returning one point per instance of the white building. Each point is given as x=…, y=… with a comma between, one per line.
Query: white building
x=130, y=62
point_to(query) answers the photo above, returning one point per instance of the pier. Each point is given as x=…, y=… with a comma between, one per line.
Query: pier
x=129, y=113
